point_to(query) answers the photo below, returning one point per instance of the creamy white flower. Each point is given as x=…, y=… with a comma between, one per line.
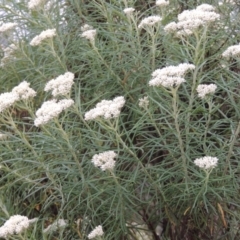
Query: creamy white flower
x=162, y=3
x=7, y=100
x=51, y=109
x=58, y=224
x=34, y=4
x=15, y=225
x=171, y=76
x=3, y=136
x=149, y=21
x=128, y=11
x=206, y=162
x=89, y=34
x=143, y=102
x=24, y=91
x=8, y=54
x=106, y=108
x=232, y=51
x=205, y=89
x=96, y=232
x=47, y=34
x=191, y=20
x=60, y=85
x=7, y=26
x=86, y=27
x=105, y=160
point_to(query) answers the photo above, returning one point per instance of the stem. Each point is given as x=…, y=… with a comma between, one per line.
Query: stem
x=181, y=145
x=230, y=152
x=210, y=104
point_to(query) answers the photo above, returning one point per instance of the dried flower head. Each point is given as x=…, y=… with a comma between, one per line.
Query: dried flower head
x=89, y=34
x=191, y=20
x=205, y=89
x=47, y=34
x=232, y=51
x=171, y=76
x=60, y=85
x=143, y=102
x=206, y=163
x=106, y=108
x=128, y=11
x=7, y=100
x=3, y=136
x=8, y=54
x=162, y=3
x=149, y=21
x=15, y=225
x=23, y=91
x=7, y=26
x=96, y=232
x=105, y=160
x=51, y=109
x=58, y=224
x=34, y=4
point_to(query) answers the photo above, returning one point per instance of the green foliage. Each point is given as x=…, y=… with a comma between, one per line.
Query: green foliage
x=46, y=172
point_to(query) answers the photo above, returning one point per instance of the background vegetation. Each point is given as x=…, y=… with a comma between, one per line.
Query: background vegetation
x=156, y=189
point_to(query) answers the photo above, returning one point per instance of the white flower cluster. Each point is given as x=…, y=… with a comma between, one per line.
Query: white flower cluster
x=14, y=225
x=33, y=4
x=143, y=102
x=191, y=20
x=162, y=3
x=49, y=33
x=206, y=162
x=8, y=54
x=86, y=27
x=232, y=51
x=51, y=109
x=60, y=85
x=20, y=92
x=96, y=232
x=23, y=91
x=149, y=21
x=205, y=89
x=7, y=26
x=89, y=34
x=104, y=160
x=58, y=224
x=171, y=76
x=128, y=11
x=106, y=108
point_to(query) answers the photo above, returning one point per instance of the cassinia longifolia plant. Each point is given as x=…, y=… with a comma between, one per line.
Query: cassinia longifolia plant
x=119, y=119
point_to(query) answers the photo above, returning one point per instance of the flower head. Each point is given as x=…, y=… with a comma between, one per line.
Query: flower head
x=149, y=21
x=96, y=232
x=7, y=26
x=86, y=27
x=33, y=4
x=47, y=34
x=15, y=225
x=143, y=102
x=58, y=224
x=191, y=20
x=7, y=100
x=24, y=91
x=105, y=160
x=60, y=85
x=128, y=11
x=171, y=76
x=51, y=109
x=232, y=51
x=89, y=34
x=162, y=3
x=205, y=89
x=206, y=162
x=106, y=108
